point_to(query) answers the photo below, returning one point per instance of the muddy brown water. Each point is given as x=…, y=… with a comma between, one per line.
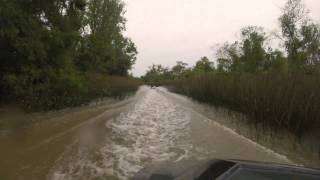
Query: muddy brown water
x=116, y=139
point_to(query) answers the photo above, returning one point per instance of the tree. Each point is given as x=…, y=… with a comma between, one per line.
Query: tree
x=228, y=57
x=157, y=73
x=104, y=48
x=204, y=65
x=179, y=69
x=311, y=43
x=248, y=55
x=38, y=40
x=275, y=62
x=252, y=50
x=301, y=36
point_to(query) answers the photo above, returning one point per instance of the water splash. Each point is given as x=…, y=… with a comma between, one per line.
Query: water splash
x=145, y=134
x=149, y=132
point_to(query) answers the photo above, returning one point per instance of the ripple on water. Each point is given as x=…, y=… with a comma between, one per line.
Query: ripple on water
x=149, y=132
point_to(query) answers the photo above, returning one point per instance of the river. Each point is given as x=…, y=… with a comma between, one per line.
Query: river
x=114, y=140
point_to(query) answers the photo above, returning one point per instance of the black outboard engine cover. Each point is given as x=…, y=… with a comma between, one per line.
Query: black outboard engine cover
x=224, y=170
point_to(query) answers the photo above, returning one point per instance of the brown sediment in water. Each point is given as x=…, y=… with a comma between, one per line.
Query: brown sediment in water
x=32, y=142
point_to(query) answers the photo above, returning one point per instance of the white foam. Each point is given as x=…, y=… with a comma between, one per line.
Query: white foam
x=148, y=133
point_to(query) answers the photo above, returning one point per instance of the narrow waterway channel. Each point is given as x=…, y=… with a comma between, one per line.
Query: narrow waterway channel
x=115, y=141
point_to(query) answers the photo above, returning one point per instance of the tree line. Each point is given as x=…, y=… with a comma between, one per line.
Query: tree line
x=256, y=52
x=47, y=48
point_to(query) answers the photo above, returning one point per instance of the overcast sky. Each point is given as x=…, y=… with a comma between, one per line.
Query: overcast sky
x=166, y=31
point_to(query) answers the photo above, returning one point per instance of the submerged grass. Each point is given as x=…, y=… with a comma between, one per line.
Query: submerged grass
x=278, y=101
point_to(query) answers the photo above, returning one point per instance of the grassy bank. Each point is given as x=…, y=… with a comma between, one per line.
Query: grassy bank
x=91, y=86
x=280, y=102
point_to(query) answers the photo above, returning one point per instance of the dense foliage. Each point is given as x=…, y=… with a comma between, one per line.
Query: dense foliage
x=274, y=88
x=47, y=47
x=157, y=74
